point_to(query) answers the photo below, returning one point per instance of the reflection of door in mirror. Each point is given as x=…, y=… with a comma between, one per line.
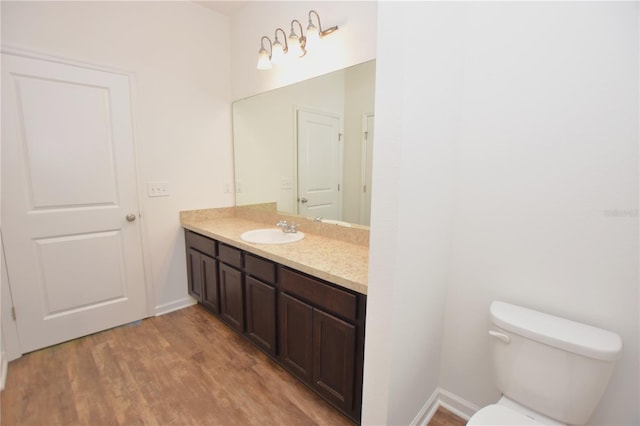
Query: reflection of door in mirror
x=265, y=141
x=367, y=166
x=319, y=165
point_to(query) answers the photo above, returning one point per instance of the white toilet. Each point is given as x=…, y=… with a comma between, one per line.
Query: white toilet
x=550, y=370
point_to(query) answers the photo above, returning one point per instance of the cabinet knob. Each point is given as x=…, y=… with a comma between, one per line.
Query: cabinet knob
x=131, y=217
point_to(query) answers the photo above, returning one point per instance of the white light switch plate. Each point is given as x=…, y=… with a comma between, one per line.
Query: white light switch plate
x=286, y=183
x=157, y=189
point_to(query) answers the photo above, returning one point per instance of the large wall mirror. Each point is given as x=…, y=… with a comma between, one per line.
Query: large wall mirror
x=308, y=146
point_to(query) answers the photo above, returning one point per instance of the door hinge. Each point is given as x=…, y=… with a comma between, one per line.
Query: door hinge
x=338, y=187
x=13, y=313
x=364, y=188
x=366, y=136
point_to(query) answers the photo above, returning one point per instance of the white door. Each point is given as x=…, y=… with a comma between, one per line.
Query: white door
x=319, y=165
x=367, y=167
x=69, y=201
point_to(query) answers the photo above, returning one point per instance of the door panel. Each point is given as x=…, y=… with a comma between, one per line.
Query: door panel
x=68, y=287
x=68, y=182
x=80, y=123
x=334, y=343
x=210, y=283
x=231, y=297
x=319, y=165
x=296, y=328
x=194, y=273
x=261, y=314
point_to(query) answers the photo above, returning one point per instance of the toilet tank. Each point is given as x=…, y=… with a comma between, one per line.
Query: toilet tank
x=557, y=367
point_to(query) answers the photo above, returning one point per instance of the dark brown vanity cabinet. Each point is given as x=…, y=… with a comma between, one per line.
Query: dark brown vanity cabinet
x=202, y=270
x=311, y=327
x=296, y=336
x=319, y=338
x=194, y=272
x=334, y=348
x=231, y=286
x=260, y=297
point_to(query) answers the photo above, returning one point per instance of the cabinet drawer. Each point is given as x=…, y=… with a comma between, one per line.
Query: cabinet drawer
x=201, y=243
x=260, y=268
x=322, y=295
x=230, y=255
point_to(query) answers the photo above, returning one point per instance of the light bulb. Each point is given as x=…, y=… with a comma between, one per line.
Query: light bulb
x=294, y=44
x=277, y=55
x=264, y=62
x=313, y=35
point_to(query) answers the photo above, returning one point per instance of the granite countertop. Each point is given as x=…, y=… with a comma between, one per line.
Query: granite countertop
x=341, y=262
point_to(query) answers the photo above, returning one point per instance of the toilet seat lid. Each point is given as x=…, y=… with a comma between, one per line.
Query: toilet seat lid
x=500, y=415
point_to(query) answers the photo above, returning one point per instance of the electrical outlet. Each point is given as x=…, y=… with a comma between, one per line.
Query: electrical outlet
x=157, y=189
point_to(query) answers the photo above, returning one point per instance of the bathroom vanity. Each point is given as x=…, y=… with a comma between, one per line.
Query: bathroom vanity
x=303, y=303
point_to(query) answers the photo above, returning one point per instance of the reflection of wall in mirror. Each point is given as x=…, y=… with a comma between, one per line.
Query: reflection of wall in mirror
x=359, y=101
x=264, y=137
x=264, y=140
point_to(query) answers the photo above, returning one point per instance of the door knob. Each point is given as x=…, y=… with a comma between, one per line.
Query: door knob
x=303, y=200
x=131, y=217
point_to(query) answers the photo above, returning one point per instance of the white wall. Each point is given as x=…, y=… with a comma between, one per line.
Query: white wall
x=416, y=108
x=179, y=55
x=547, y=147
x=353, y=43
x=527, y=115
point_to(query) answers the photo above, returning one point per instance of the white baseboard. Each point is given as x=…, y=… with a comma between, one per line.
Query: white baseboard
x=442, y=398
x=427, y=411
x=458, y=406
x=174, y=306
x=5, y=369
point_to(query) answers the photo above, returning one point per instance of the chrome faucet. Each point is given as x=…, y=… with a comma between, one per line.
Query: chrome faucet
x=287, y=228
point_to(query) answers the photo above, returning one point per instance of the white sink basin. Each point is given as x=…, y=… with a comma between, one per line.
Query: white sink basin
x=271, y=236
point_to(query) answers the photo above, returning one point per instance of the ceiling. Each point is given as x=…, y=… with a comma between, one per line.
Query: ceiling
x=226, y=8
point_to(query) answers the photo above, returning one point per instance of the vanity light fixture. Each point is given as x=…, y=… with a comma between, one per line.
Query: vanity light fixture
x=297, y=45
x=264, y=57
x=314, y=34
x=277, y=51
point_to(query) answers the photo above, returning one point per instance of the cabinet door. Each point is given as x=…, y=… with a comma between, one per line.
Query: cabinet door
x=231, y=297
x=209, y=283
x=334, y=343
x=194, y=273
x=296, y=325
x=261, y=314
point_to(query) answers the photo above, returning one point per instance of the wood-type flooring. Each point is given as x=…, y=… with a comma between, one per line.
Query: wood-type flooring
x=182, y=368
x=444, y=417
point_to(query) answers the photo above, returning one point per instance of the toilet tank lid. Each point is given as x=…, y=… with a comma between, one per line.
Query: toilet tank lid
x=558, y=332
